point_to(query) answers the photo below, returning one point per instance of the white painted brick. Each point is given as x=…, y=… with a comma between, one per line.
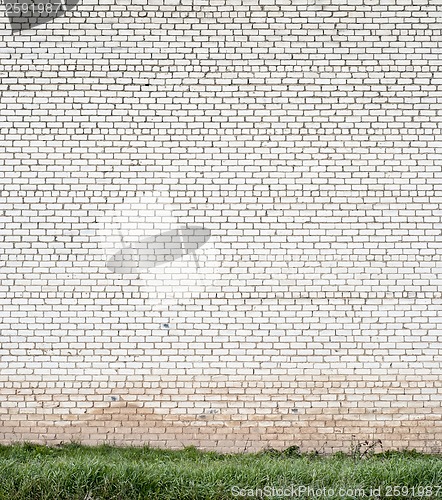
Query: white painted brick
x=306, y=140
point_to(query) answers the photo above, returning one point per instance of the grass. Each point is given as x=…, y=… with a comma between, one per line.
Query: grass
x=74, y=472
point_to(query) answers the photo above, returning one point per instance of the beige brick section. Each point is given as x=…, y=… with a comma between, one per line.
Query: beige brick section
x=326, y=413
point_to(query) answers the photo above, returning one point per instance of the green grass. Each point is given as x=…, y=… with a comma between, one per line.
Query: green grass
x=29, y=472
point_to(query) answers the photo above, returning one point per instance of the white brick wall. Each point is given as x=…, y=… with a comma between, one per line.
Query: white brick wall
x=306, y=137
